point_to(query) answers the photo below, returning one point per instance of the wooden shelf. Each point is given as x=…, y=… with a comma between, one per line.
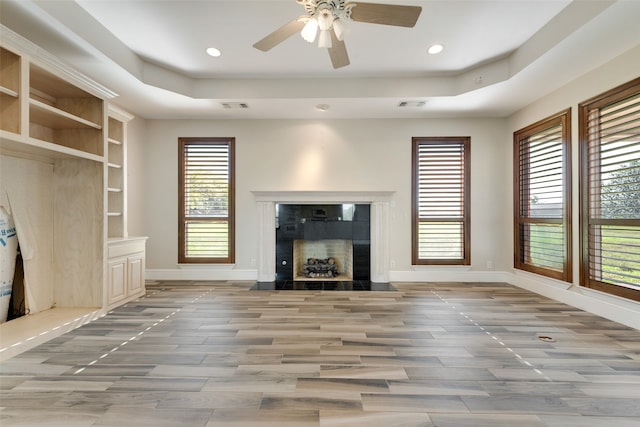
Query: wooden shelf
x=8, y=92
x=25, y=147
x=10, y=70
x=55, y=118
x=63, y=113
x=116, y=202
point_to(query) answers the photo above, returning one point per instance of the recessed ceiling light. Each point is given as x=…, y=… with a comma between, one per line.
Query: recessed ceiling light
x=435, y=49
x=322, y=107
x=213, y=51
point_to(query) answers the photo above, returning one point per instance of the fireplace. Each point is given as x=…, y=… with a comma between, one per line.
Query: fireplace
x=377, y=252
x=328, y=242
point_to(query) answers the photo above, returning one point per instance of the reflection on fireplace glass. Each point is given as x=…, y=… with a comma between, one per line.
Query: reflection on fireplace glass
x=287, y=214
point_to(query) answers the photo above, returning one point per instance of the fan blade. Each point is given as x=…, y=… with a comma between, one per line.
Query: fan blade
x=279, y=35
x=387, y=14
x=338, y=52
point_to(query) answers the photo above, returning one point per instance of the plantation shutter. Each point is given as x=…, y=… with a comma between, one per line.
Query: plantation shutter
x=441, y=223
x=206, y=194
x=611, y=226
x=543, y=197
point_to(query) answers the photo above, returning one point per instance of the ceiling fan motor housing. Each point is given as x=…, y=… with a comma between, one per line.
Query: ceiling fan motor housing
x=327, y=9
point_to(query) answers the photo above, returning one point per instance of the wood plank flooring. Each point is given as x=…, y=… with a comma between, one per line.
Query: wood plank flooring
x=217, y=354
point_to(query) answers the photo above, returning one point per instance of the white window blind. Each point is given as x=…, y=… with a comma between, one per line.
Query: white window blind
x=440, y=187
x=611, y=190
x=206, y=195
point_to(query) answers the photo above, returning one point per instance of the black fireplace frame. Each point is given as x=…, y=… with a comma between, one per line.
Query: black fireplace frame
x=321, y=222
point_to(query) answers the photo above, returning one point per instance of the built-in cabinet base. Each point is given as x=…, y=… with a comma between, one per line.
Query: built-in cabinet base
x=125, y=270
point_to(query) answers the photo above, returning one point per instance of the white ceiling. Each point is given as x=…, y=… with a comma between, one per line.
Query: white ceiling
x=499, y=56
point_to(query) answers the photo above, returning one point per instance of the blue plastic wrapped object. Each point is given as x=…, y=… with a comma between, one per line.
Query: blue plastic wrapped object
x=8, y=253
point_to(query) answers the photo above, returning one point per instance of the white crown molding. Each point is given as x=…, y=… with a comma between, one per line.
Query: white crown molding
x=120, y=114
x=13, y=41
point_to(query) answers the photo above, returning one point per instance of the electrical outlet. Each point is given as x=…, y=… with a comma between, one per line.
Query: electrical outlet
x=253, y=262
x=392, y=263
x=489, y=265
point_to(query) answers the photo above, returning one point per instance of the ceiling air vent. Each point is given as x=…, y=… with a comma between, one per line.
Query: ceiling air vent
x=235, y=105
x=411, y=103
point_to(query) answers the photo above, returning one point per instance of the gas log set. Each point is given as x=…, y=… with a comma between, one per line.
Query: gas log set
x=319, y=267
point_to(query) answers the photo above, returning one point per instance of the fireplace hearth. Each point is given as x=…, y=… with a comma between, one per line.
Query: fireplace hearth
x=319, y=285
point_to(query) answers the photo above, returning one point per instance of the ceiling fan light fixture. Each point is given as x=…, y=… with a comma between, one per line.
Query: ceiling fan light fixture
x=325, y=39
x=340, y=28
x=325, y=19
x=310, y=30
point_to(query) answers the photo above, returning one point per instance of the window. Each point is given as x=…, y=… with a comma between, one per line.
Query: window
x=206, y=198
x=542, y=195
x=440, y=226
x=610, y=191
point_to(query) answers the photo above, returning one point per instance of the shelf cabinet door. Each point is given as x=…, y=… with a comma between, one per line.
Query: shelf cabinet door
x=117, y=280
x=135, y=269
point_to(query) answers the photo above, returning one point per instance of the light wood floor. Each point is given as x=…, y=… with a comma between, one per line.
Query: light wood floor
x=216, y=354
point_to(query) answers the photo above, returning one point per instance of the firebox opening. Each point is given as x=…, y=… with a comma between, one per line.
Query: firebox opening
x=321, y=227
x=325, y=260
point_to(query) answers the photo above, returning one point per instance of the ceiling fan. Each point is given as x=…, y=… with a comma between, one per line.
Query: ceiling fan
x=330, y=18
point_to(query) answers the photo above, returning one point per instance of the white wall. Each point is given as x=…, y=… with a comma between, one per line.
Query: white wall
x=621, y=70
x=348, y=155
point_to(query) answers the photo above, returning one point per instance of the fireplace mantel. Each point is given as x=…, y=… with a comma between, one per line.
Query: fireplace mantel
x=380, y=202
x=323, y=196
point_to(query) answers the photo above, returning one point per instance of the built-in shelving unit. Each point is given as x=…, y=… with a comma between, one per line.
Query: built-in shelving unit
x=9, y=91
x=116, y=182
x=64, y=114
x=126, y=255
x=63, y=178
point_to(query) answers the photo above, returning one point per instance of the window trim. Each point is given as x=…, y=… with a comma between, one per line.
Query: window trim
x=562, y=118
x=609, y=97
x=230, y=142
x=465, y=141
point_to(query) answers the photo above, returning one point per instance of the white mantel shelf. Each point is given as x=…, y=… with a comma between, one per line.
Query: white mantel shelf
x=323, y=196
x=380, y=205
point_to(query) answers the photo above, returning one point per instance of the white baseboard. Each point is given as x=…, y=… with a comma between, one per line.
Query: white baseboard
x=609, y=306
x=449, y=274
x=215, y=273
